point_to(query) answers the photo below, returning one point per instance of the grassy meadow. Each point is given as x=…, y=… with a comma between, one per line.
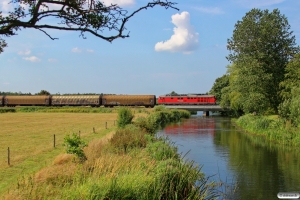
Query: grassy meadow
x=29, y=135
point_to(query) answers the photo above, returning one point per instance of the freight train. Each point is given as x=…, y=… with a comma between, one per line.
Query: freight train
x=106, y=100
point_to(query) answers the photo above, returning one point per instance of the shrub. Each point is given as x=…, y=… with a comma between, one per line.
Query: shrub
x=125, y=117
x=184, y=114
x=160, y=108
x=128, y=138
x=74, y=145
x=5, y=110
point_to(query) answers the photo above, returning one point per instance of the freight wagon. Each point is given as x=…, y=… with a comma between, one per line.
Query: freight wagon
x=76, y=100
x=129, y=100
x=26, y=100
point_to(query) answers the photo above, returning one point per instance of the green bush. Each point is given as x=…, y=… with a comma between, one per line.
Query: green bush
x=74, y=145
x=5, y=110
x=159, y=108
x=125, y=117
x=184, y=114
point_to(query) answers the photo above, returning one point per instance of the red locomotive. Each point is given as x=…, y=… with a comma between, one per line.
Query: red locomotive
x=187, y=99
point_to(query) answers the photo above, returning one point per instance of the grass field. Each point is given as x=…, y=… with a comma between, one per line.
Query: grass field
x=30, y=139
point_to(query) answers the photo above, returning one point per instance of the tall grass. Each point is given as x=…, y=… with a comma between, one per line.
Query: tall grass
x=274, y=130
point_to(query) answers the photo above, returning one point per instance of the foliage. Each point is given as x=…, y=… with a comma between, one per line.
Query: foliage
x=74, y=145
x=85, y=16
x=6, y=110
x=219, y=84
x=128, y=138
x=173, y=93
x=159, y=119
x=295, y=106
x=162, y=149
x=289, y=108
x=14, y=93
x=275, y=130
x=159, y=108
x=260, y=48
x=125, y=117
x=43, y=92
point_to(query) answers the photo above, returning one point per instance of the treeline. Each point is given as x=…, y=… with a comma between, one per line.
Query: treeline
x=264, y=75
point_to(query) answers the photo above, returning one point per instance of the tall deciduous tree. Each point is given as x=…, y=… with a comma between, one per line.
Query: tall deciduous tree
x=219, y=84
x=261, y=46
x=290, y=107
x=43, y=92
x=85, y=16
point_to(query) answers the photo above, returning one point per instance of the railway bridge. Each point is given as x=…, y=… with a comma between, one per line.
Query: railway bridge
x=204, y=108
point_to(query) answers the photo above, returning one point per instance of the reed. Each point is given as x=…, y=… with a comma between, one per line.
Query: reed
x=274, y=129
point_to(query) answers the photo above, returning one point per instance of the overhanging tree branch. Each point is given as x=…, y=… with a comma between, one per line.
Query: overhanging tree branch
x=90, y=16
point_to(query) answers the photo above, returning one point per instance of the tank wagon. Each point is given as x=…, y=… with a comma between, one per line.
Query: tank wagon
x=26, y=100
x=129, y=100
x=76, y=100
x=187, y=99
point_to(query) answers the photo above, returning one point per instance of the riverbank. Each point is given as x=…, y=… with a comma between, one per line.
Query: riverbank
x=131, y=164
x=272, y=128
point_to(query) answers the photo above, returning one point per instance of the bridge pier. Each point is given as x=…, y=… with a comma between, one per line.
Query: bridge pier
x=206, y=113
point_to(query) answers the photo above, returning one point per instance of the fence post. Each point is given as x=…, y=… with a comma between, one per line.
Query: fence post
x=93, y=129
x=54, y=140
x=8, y=156
x=114, y=122
x=105, y=125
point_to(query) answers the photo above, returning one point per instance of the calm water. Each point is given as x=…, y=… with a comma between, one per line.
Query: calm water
x=260, y=169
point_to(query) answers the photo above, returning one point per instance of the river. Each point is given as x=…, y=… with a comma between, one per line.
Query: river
x=260, y=170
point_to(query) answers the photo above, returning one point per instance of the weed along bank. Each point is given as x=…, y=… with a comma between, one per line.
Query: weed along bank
x=128, y=163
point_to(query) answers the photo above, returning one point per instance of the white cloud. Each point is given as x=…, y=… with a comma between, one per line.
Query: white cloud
x=32, y=59
x=184, y=39
x=259, y=3
x=119, y=2
x=51, y=60
x=210, y=10
x=26, y=52
x=76, y=50
x=6, y=83
x=6, y=5
x=90, y=50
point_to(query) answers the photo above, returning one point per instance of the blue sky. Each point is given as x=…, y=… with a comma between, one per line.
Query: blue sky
x=168, y=50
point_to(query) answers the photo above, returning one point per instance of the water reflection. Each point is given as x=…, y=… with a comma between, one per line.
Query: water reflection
x=260, y=168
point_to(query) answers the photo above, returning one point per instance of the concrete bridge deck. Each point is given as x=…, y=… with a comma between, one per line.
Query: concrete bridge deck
x=197, y=107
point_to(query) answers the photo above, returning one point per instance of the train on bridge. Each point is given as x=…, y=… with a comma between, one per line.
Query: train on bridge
x=106, y=100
